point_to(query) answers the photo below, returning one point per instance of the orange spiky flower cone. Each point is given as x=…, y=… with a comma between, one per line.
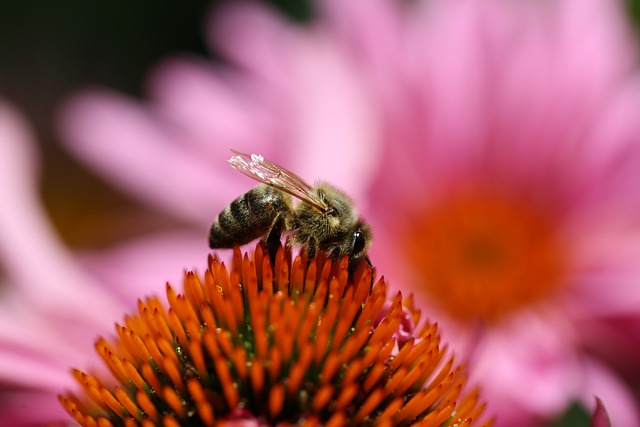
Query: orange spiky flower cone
x=290, y=342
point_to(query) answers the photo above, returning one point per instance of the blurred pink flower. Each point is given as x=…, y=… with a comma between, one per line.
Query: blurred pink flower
x=496, y=141
x=43, y=293
x=512, y=164
x=51, y=309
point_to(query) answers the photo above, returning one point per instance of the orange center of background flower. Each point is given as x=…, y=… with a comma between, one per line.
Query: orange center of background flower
x=482, y=254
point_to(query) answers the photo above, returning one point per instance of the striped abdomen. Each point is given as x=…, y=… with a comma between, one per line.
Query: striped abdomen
x=248, y=217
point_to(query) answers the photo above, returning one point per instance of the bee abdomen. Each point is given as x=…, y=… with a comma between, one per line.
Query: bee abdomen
x=248, y=217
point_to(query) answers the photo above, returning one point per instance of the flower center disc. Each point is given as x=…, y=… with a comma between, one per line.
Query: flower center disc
x=484, y=255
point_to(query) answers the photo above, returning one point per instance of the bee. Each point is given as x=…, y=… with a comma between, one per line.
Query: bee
x=319, y=217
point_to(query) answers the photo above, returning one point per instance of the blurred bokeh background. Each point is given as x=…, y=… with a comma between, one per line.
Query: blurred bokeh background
x=48, y=50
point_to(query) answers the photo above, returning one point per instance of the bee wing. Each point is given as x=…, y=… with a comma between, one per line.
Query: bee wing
x=256, y=167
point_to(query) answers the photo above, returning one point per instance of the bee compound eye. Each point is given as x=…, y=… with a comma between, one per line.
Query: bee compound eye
x=358, y=242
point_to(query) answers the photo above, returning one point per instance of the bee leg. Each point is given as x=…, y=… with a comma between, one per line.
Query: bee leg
x=366, y=258
x=354, y=264
x=272, y=240
x=312, y=248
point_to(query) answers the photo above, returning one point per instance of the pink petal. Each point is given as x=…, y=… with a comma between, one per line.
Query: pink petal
x=39, y=374
x=218, y=108
x=43, y=339
x=606, y=270
x=372, y=31
x=600, y=381
x=609, y=165
x=472, y=63
x=333, y=127
x=32, y=255
x=31, y=408
x=20, y=162
x=145, y=155
x=263, y=50
x=328, y=122
x=141, y=267
x=526, y=367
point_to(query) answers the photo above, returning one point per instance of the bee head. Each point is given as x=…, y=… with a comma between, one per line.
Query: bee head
x=359, y=240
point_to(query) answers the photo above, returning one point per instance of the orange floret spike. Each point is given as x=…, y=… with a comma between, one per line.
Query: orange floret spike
x=347, y=393
x=296, y=284
x=103, y=422
x=374, y=376
x=161, y=325
x=175, y=323
x=128, y=404
x=372, y=402
x=147, y=406
x=151, y=378
x=311, y=277
x=235, y=297
x=173, y=400
x=228, y=387
x=294, y=341
x=322, y=398
x=170, y=421
x=256, y=373
x=338, y=419
x=330, y=367
x=193, y=289
x=109, y=399
x=174, y=374
x=197, y=358
x=276, y=400
x=268, y=286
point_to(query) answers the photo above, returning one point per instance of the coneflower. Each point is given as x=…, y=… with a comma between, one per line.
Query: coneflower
x=289, y=342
